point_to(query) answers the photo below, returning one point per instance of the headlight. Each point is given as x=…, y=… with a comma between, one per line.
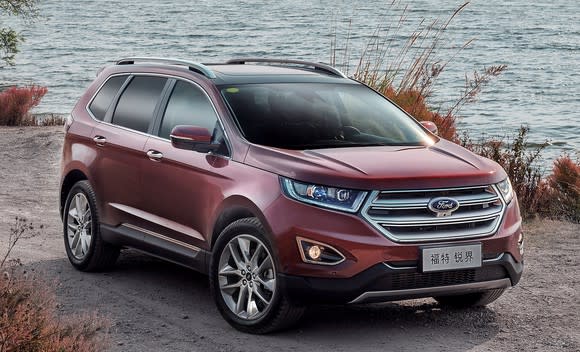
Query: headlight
x=323, y=196
x=506, y=190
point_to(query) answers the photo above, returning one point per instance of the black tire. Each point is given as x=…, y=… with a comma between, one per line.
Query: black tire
x=477, y=299
x=100, y=255
x=281, y=313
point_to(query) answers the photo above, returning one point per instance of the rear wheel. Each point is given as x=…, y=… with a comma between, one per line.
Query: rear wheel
x=478, y=299
x=82, y=237
x=244, y=280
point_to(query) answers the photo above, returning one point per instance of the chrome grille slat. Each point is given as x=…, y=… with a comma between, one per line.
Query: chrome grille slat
x=422, y=202
x=404, y=216
x=470, y=216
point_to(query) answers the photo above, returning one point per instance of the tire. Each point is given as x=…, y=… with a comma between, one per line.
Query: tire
x=272, y=313
x=84, y=246
x=478, y=299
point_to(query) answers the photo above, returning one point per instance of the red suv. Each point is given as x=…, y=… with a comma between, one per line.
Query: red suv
x=288, y=184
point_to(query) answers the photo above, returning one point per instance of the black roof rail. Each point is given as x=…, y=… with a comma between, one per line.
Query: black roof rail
x=193, y=66
x=316, y=65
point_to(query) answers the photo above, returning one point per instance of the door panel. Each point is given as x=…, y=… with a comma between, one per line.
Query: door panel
x=183, y=191
x=119, y=143
x=183, y=187
x=116, y=170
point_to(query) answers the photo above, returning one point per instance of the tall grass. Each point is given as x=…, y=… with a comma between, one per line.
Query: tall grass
x=408, y=72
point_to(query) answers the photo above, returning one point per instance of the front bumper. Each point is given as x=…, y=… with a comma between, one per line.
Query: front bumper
x=388, y=282
x=363, y=247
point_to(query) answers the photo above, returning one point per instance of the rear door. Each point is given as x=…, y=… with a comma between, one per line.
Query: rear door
x=120, y=141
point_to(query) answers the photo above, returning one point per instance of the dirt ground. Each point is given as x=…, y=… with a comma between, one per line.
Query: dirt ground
x=157, y=306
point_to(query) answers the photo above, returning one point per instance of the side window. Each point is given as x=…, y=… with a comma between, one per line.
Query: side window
x=188, y=105
x=137, y=103
x=105, y=96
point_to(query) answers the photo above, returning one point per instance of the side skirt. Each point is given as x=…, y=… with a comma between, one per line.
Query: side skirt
x=157, y=245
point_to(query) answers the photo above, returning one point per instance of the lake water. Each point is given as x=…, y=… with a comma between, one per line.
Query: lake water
x=538, y=40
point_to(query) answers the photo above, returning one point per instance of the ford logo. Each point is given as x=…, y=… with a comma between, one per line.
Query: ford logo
x=443, y=206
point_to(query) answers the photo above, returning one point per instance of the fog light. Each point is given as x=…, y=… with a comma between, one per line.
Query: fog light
x=314, y=252
x=521, y=244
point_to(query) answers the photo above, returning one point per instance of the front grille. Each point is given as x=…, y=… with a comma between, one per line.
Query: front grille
x=404, y=216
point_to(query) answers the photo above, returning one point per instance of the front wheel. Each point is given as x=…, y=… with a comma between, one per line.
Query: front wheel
x=244, y=280
x=478, y=299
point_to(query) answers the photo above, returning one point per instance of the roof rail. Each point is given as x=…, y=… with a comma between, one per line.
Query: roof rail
x=193, y=66
x=316, y=65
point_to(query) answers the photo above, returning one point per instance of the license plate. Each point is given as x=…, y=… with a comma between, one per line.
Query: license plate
x=451, y=258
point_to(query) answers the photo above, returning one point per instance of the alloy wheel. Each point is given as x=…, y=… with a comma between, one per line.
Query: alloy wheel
x=79, y=226
x=247, y=277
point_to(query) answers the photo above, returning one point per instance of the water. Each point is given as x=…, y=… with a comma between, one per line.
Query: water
x=539, y=41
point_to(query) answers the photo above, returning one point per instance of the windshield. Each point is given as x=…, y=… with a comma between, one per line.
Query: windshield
x=315, y=115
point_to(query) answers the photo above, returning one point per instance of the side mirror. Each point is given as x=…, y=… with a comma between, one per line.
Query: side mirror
x=431, y=126
x=192, y=138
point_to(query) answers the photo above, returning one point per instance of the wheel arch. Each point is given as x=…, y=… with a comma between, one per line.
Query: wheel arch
x=232, y=209
x=71, y=178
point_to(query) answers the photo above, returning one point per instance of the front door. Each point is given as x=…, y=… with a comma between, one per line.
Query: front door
x=182, y=187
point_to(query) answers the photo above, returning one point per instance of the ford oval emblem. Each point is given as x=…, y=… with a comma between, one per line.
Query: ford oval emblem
x=443, y=206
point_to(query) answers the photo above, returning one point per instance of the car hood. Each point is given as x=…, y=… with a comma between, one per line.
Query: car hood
x=444, y=164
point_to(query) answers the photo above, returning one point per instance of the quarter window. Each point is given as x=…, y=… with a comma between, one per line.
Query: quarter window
x=104, y=98
x=137, y=103
x=188, y=105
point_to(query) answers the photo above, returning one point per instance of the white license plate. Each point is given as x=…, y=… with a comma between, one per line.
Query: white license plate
x=451, y=258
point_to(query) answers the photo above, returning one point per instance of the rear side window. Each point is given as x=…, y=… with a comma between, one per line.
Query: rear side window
x=188, y=105
x=105, y=96
x=137, y=103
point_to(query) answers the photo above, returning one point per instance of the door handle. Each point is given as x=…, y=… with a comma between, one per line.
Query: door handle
x=100, y=140
x=155, y=155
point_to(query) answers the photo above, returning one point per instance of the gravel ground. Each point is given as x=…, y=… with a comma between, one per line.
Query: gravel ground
x=157, y=306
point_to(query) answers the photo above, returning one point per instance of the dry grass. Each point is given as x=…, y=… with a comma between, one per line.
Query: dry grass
x=556, y=196
x=28, y=318
x=521, y=162
x=563, y=188
x=408, y=73
x=16, y=103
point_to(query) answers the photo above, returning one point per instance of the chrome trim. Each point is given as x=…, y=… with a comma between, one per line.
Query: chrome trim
x=379, y=222
x=399, y=267
x=162, y=237
x=317, y=65
x=160, y=221
x=496, y=259
x=193, y=66
x=154, y=155
x=172, y=136
x=129, y=74
x=439, y=220
x=434, y=291
x=301, y=250
x=483, y=261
